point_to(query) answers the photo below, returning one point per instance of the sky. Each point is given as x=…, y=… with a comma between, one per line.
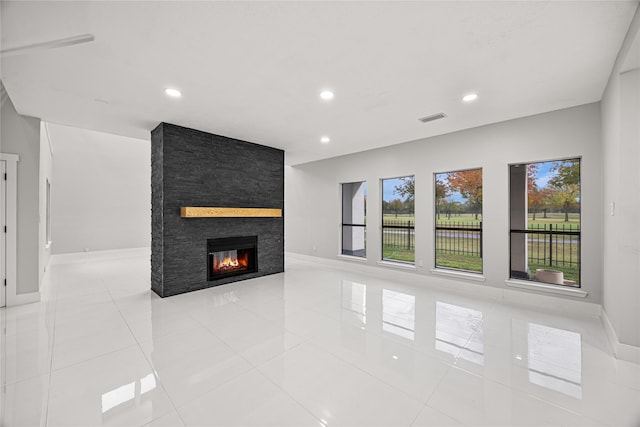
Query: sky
x=389, y=189
x=388, y=185
x=544, y=174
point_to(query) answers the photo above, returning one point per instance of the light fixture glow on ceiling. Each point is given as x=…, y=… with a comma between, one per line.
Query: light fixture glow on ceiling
x=174, y=93
x=326, y=95
x=325, y=139
x=470, y=97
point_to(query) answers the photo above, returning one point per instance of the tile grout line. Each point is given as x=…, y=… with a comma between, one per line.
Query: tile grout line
x=137, y=344
x=53, y=339
x=286, y=392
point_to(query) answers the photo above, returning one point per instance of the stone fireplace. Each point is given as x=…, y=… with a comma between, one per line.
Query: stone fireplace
x=217, y=206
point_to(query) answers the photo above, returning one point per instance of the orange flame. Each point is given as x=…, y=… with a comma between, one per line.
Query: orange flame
x=230, y=263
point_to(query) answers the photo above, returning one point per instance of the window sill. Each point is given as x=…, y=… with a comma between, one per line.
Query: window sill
x=544, y=287
x=478, y=277
x=351, y=258
x=398, y=265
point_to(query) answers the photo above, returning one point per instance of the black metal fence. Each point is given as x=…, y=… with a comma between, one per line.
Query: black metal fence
x=556, y=245
x=399, y=233
x=460, y=238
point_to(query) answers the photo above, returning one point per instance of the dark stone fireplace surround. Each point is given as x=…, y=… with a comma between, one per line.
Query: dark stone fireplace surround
x=194, y=168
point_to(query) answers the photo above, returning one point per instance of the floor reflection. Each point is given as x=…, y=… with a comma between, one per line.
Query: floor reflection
x=555, y=359
x=459, y=331
x=399, y=313
x=123, y=394
x=354, y=299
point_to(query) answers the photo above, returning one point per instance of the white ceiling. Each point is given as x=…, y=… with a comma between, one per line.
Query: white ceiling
x=253, y=70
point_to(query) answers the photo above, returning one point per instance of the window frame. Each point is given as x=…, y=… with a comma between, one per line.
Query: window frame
x=480, y=228
x=382, y=225
x=578, y=285
x=344, y=224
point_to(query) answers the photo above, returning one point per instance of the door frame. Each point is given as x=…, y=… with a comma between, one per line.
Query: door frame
x=11, y=199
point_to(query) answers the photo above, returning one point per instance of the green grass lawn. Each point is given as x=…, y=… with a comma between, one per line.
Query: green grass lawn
x=401, y=218
x=555, y=218
x=462, y=218
x=459, y=261
x=398, y=254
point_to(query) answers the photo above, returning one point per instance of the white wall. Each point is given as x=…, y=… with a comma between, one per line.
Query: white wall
x=312, y=191
x=621, y=172
x=21, y=135
x=45, y=175
x=101, y=194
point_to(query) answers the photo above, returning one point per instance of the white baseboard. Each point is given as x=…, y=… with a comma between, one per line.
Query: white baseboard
x=26, y=298
x=463, y=286
x=76, y=257
x=550, y=302
x=622, y=351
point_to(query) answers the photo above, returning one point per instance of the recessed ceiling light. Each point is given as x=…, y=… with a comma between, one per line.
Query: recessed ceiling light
x=326, y=95
x=325, y=140
x=470, y=97
x=174, y=93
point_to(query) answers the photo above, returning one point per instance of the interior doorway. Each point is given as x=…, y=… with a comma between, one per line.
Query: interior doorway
x=8, y=228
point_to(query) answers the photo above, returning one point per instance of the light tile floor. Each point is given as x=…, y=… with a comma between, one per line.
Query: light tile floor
x=313, y=346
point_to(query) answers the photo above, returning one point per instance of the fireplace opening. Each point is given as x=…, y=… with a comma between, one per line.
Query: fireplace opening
x=231, y=256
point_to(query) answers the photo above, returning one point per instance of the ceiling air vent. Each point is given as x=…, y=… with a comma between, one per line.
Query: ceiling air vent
x=433, y=117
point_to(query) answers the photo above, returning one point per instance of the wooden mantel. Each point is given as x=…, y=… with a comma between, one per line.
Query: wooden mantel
x=200, y=212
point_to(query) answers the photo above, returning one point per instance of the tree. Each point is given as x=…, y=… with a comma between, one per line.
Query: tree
x=395, y=205
x=409, y=205
x=538, y=199
x=532, y=177
x=469, y=185
x=451, y=207
x=408, y=188
x=442, y=192
x=566, y=185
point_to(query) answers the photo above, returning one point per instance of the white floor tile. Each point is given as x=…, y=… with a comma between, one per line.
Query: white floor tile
x=174, y=348
x=338, y=393
x=430, y=417
x=200, y=371
x=88, y=346
x=308, y=346
x=249, y=400
x=473, y=400
x=25, y=402
x=410, y=371
x=172, y=419
x=160, y=324
x=119, y=388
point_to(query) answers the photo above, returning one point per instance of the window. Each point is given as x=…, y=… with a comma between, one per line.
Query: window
x=458, y=220
x=545, y=221
x=354, y=216
x=398, y=219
